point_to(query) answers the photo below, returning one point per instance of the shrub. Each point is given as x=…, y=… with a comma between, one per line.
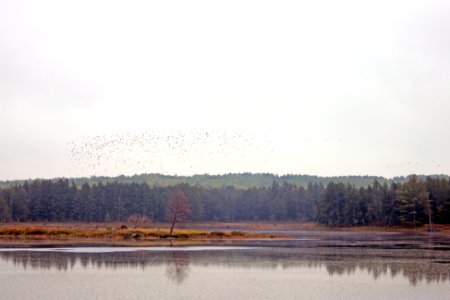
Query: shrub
x=180, y=235
x=238, y=233
x=218, y=233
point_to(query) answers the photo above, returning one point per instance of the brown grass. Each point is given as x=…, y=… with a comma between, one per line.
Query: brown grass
x=192, y=231
x=127, y=233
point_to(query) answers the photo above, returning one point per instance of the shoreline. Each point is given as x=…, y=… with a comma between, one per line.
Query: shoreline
x=35, y=235
x=249, y=227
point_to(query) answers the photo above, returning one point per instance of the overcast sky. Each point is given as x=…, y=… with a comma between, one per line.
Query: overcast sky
x=184, y=87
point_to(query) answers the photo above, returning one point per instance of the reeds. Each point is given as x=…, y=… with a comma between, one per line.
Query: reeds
x=128, y=233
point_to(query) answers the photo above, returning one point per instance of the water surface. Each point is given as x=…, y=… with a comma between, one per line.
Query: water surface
x=305, y=268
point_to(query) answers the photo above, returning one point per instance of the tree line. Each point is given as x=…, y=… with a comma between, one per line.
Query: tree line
x=412, y=202
x=237, y=180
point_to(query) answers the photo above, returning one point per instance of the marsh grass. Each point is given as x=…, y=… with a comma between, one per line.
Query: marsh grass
x=138, y=233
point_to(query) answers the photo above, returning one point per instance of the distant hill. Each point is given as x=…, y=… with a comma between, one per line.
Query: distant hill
x=239, y=180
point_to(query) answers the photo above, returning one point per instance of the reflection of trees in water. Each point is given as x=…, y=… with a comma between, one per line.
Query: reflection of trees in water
x=415, y=271
x=177, y=266
x=419, y=269
x=40, y=260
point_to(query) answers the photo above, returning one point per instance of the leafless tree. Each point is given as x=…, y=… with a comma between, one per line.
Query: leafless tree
x=177, y=266
x=138, y=220
x=177, y=209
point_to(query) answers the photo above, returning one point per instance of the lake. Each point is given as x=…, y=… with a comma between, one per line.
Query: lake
x=310, y=266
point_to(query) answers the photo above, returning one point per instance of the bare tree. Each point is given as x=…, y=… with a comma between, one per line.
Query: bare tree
x=177, y=266
x=177, y=209
x=137, y=220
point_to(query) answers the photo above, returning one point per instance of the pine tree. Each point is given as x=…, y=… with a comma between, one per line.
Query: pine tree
x=5, y=211
x=412, y=199
x=439, y=189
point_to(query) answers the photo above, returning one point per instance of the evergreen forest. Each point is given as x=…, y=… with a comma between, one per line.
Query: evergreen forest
x=411, y=202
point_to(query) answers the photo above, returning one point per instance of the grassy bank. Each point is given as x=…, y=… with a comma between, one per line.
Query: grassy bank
x=192, y=231
x=122, y=233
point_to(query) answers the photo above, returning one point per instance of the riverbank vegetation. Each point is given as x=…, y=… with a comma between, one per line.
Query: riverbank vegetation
x=120, y=233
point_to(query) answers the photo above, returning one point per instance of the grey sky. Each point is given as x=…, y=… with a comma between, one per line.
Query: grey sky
x=312, y=87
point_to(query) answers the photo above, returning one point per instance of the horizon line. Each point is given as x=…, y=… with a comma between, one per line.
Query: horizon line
x=218, y=175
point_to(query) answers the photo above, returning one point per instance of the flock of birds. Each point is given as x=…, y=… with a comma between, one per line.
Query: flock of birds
x=166, y=152
x=412, y=167
x=185, y=152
